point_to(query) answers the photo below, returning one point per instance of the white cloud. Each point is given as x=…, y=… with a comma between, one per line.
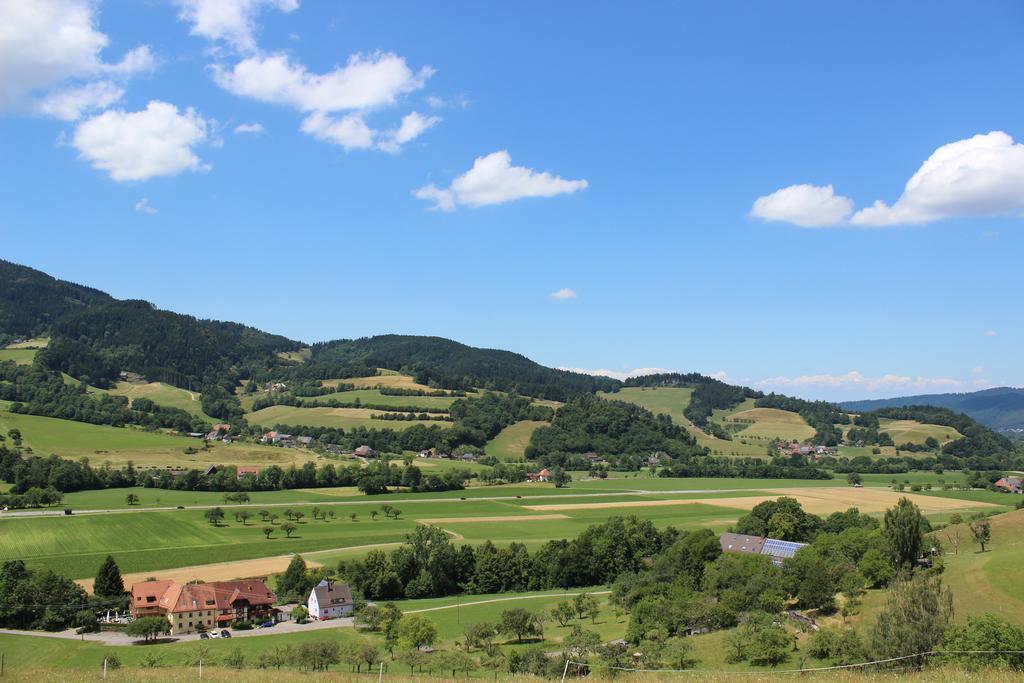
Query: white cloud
x=563, y=294
x=365, y=83
x=233, y=21
x=142, y=206
x=156, y=141
x=253, y=128
x=990, y=333
x=44, y=44
x=412, y=126
x=617, y=374
x=70, y=104
x=349, y=131
x=808, y=206
x=978, y=369
x=980, y=176
x=858, y=380
x=494, y=180
x=721, y=375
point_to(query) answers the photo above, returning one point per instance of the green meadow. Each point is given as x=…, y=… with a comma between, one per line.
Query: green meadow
x=19, y=356
x=164, y=395
x=153, y=540
x=511, y=442
x=341, y=418
x=672, y=401
x=374, y=397
x=119, y=445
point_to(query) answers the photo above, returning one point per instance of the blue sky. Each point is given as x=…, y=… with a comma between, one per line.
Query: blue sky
x=690, y=176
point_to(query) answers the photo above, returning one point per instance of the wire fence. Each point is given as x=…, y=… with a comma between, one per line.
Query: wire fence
x=838, y=667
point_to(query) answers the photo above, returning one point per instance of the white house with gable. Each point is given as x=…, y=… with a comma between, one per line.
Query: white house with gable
x=328, y=600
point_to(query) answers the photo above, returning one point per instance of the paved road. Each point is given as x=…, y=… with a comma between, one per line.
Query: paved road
x=119, y=638
x=374, y=500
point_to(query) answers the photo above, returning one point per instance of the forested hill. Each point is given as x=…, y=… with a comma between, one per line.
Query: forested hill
x=1001, y=408
x=93, y=336
x=449, y=364
x=31, y=300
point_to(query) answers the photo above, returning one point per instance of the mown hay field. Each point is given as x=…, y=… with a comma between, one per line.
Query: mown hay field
x=119, y=445
x=340, y=418
x=511, y=442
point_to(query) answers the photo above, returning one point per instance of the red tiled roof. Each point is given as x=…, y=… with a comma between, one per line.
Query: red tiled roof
x=220, y=595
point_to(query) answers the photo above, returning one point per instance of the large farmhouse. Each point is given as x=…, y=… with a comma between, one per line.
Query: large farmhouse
x=203, y=606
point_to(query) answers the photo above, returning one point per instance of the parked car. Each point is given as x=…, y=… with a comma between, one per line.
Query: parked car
x=267, y=624
x=181, y=507
x=214, y=634
x=204, y=636
x=225, y=634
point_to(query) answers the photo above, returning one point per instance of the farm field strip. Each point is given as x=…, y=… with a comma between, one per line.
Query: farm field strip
x=219, y=571
x=345, y=418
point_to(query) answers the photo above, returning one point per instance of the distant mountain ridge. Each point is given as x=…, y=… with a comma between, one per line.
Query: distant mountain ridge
x=1000, y=408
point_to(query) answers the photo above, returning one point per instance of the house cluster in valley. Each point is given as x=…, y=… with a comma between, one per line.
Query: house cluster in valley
x=201, y=607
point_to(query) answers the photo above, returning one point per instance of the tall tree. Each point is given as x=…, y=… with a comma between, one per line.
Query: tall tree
x=904, y=529
x=108, y=582
x=915, y=618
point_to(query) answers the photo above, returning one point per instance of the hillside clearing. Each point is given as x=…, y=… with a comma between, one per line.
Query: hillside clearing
x=119, y=445
x=511, y=442
x=910, y=431
x=19, y=356
x=342, y=418
x=772, y=423
x=164, y=395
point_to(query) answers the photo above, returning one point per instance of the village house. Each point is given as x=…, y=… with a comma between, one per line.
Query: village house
x=468, y=457
x=203, y=606
x=1010, y=485
x=543, y=475
x=595, y=459
x=218, y=431
x=333, y=448
x=305, y=441
x=365, y=451
x=247, y=471
x=806, y=449
x=427, y=453
x=777, y=549
x=329, y=599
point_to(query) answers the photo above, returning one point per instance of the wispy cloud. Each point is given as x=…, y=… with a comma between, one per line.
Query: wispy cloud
x=250, y=128
x=563, y=294
x=855, y=379
x=142, y=206
x=618, y=374
x=990, y=333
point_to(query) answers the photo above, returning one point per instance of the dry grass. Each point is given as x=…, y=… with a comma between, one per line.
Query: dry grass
x=220, y=571
x=821, y=501
x=397, y=381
